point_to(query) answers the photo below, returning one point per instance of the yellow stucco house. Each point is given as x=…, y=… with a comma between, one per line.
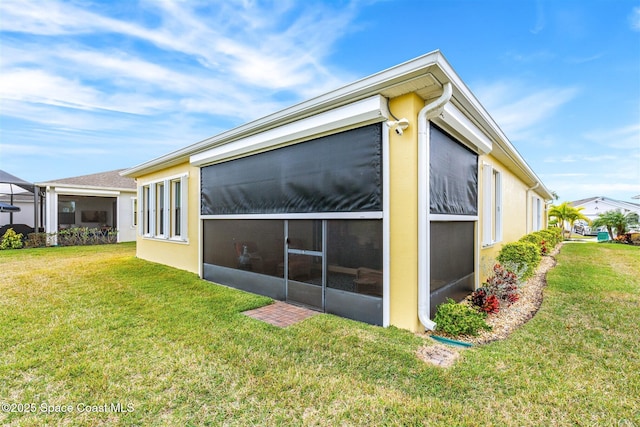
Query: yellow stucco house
x=375, y=201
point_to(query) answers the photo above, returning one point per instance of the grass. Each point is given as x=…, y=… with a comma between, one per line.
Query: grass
x=97, y=326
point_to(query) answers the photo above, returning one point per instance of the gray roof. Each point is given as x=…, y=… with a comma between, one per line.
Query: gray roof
x=604, y=199
x=110, y=179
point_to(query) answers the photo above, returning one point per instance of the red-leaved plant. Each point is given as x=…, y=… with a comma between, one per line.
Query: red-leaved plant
x=543, y=247
x=504, y=284
x=485, y=302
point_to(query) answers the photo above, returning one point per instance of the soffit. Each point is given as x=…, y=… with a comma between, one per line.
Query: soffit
x=426, y=86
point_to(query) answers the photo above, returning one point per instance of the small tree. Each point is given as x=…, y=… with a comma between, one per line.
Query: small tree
x=566, y=213
x=616, y=220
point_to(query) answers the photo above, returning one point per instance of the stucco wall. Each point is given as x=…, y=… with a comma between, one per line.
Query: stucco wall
x=182, y=255
x=403, y=194
x=517, y=213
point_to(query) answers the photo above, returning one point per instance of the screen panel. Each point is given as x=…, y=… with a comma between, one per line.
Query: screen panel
x=453, y=175
x=335, y=173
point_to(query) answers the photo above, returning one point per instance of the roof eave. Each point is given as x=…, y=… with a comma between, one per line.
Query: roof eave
x=84, y=187
x=403, y=74
x=357, y=90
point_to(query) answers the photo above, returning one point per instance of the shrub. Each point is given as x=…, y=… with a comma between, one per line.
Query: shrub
x=504, y=285
x=526, y=255
x=550, y=236
x=538, y=240
x=554, y=233
x=36, y=240
x=82, y=236
x=11, y=240
x=459, y=319
x=485, y=302
x=623, y=238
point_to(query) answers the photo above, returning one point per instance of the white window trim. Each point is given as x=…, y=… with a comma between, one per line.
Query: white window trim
x=135, y=218
x=183, y=208
x=492, y=208
x=498, y=204
x=166, y=233
x=536, y=213
x=161, y=211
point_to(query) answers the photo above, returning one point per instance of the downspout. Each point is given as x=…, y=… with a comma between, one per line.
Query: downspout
x=429, y=111
x=526, y=216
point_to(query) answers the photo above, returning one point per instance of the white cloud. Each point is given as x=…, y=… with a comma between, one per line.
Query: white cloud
x=249, y=42
x=568, y=175
x=584, y=59
x=634, y=19
x=59, y=18
x=538, y=56
x=579, y=158
x=540, y=18
x=626, y=137
x=228, y=62
x=37, y=86
x=518, y=107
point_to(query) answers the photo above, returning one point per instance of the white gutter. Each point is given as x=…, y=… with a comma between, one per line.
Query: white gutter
x=429, y=111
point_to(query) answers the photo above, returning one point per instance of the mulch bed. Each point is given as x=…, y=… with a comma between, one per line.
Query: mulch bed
x=507, y=320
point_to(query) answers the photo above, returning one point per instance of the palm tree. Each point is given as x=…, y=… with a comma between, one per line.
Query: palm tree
x=616, y=220
x=566, y=213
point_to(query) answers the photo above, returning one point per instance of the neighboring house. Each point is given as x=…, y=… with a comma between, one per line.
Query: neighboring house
x=16, y=193
x=593, y=206
x=375, y=201
x=25, y=216
x=103, y=200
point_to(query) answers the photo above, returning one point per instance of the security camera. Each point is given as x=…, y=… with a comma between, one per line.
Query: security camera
x=399, y=126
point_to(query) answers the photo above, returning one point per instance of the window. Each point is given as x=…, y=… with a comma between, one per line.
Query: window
x=491, y=205
x=146, y=210
x=163, y=209
x=134, y=211
x=159, y=208
x=537, y=214
x=175, y=197
x=66, y=212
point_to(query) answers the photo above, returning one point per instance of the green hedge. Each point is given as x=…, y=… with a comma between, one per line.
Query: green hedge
x=525, y=255
x=459, y=319
x=552, y=235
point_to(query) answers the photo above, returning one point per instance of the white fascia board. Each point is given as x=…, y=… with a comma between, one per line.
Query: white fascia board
x=453, y=118
x=360, y=113
x=75, y=191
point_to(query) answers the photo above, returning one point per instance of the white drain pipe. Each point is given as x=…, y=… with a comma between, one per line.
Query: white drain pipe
x=429, y=111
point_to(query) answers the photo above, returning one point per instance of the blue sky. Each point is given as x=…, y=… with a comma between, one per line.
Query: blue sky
x=88, y=86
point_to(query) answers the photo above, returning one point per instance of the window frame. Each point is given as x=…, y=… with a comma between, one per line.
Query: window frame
x=536, y=214
x=134, y=212
x=175, y=208
x=492, y=206
x=157, y=212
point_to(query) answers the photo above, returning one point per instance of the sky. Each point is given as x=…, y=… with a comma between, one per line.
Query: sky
x=92, y=86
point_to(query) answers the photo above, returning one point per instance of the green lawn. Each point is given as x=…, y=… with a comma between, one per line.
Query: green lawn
x=92, y=326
